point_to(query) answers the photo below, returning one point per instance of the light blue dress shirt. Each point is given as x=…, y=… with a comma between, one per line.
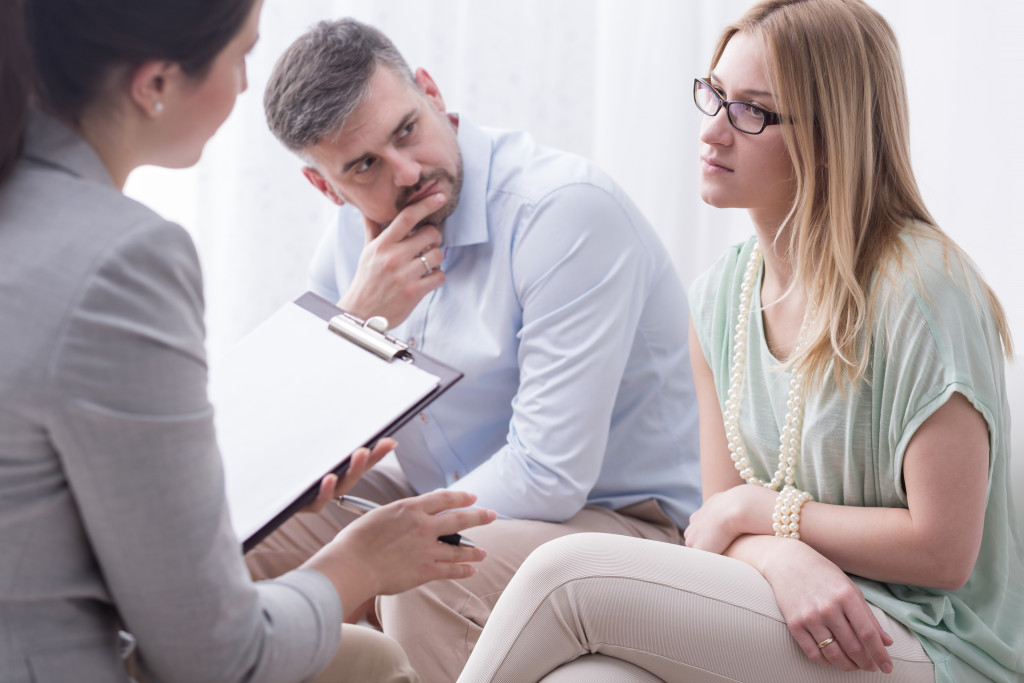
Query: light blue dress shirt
x=563, y=310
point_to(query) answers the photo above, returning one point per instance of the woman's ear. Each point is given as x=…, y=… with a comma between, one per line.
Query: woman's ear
x=149, y=86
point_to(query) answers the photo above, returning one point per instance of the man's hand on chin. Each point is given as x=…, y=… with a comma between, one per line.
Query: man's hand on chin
x=398, y=266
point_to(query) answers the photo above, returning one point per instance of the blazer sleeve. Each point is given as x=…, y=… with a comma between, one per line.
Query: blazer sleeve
x=134, y=432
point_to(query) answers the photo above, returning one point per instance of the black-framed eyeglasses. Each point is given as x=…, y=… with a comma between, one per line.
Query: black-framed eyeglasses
x=744, y=116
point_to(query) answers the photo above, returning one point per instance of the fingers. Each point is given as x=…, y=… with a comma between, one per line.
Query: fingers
x=359, y=463
x=447, y=515
x=398, y=266
x=445, y=570
x=427, y=282
x=363, y=459
x=453, y=562
x=832, y=652
x=859, y=638
x=407, y=220
x=458, y=554
x=324, y=495
x=443, y=499
x=866, y=643
x=430, y=259
x=426, y=238
x=420, y=256
x=371, y=230
x=839, y=643
x=457, y=571
x=456, y=522
x=380, y=449
x=456, y=515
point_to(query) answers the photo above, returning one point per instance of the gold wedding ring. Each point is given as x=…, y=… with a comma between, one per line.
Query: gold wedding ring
x=426, y=264
x=827, y=641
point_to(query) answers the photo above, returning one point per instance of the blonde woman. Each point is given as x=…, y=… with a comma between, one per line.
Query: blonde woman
x=855, y=445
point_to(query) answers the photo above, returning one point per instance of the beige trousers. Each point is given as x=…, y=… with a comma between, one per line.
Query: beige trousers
x=437, y=624
x=664, y=612
x=364, y=656
x=367, y=656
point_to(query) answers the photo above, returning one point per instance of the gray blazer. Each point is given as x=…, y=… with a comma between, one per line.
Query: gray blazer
x=112, y=509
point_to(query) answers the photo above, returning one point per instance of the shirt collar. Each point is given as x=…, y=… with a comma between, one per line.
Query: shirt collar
x=50, y=142
x=468, y=224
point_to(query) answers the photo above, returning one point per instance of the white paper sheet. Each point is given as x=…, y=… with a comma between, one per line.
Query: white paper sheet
x=291, y=400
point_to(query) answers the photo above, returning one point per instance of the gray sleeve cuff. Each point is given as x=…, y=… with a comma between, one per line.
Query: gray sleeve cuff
x=299, y=639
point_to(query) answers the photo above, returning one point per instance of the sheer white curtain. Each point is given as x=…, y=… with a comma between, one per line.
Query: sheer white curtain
x=609, y=79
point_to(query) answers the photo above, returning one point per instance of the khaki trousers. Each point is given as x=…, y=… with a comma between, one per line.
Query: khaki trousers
x=595, y=607
x=364, y=656
x=367, y=656
x=438, y=624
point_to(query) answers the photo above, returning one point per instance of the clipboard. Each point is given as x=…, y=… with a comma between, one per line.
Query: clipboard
x=298, y=394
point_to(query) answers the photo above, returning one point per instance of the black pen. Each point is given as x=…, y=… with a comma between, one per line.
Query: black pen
x=361, y=505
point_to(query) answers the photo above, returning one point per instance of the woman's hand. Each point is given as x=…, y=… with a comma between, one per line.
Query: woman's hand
x=332, y=486
x=744, y=509
x=395, y=547
x=820, y=602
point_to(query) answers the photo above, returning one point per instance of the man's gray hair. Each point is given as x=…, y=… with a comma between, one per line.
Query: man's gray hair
x=322, y=77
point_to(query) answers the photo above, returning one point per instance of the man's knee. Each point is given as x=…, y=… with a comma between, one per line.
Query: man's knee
x=367, y=655
x=433, y=603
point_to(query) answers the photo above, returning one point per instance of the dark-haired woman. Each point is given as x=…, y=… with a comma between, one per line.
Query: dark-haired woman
x=112, y=511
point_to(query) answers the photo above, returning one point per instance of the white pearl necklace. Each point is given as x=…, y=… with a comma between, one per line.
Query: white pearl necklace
x=789, y=441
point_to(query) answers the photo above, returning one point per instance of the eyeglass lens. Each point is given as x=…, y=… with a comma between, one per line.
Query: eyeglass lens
x=745, y=117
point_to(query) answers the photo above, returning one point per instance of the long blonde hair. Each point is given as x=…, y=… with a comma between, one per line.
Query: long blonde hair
x=837, y=76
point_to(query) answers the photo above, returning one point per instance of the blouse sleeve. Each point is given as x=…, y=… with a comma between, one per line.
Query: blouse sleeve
x=936, y=338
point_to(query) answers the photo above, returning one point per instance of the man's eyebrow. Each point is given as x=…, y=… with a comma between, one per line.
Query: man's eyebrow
x=401, y=124
x=748, y=93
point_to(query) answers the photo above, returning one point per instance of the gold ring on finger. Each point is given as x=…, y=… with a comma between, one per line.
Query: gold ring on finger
x=826, y=642
x=426, y=264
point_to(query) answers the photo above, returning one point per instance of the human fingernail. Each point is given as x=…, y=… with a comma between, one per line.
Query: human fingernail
x=439, y=198
x=887, y=667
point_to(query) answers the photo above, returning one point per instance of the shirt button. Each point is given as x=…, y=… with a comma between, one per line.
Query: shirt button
x=423, y=418
x=456, y=476
x=412, y=342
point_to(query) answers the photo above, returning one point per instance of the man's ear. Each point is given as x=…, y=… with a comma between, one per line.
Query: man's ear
x=320, y=183
x=150, y=85
x=430, y=90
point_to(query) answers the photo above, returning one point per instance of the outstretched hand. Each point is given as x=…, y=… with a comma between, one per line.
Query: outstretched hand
x=395, y=547
x=399, y=264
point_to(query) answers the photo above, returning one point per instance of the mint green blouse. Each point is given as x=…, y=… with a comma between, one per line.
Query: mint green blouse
x=934, y=336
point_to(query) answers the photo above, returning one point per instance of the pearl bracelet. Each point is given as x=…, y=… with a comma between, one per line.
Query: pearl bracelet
x=786, y=517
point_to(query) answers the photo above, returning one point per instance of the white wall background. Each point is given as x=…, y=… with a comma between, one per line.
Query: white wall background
x=610, y=79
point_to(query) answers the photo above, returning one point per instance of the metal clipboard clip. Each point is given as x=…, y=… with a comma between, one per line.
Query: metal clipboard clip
x=372, y=335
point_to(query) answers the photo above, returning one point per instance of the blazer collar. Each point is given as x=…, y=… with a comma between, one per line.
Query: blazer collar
x=51, y=143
